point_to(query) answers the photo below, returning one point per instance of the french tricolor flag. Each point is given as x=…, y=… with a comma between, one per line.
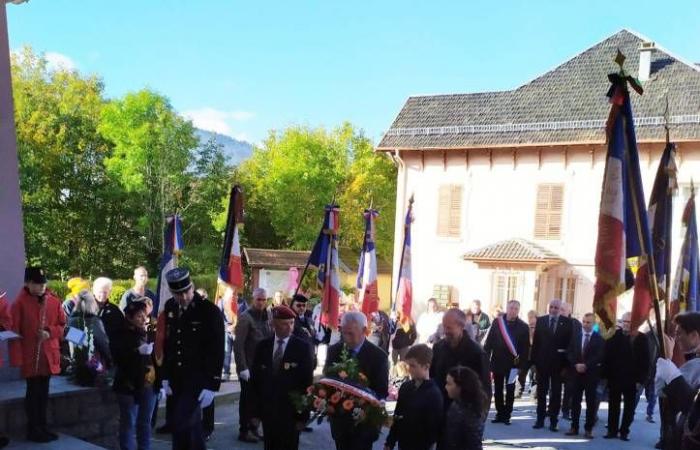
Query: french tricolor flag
x=231, y=267
x=623, y=230
x=404, y=295
x=367, y=270
x=324, y=257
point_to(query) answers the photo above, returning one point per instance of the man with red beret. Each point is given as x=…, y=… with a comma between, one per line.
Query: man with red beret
x=37, y=316
x=282, y=365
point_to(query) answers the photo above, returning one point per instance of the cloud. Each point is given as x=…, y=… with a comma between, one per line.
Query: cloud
x=218, y=121
x=59, y=61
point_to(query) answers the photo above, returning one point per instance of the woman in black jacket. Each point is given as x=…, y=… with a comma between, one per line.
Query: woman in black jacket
x=90, y=358
x=464, y=421
x=134, y=378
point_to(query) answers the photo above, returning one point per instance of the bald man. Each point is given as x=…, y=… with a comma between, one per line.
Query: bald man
x=626, y=367
x=550, y=354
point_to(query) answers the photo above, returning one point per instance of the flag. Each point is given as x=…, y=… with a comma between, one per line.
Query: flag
x=623, y=231
x=324, y=257
x=404, y=295
x=660, y=215
x=687, y=279
x=367, y=270
x=231, y=268
x=172, y=248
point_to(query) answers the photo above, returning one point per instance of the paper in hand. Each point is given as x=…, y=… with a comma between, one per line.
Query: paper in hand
x=76, y=336
x=8, y=335
x=513, y=375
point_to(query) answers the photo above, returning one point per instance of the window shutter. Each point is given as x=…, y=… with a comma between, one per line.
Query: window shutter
x=449, y=210
x=548, y=211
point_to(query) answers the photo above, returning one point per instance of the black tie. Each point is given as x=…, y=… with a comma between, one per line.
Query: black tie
x=586, y=341
x=552, y=323
x=277, y=356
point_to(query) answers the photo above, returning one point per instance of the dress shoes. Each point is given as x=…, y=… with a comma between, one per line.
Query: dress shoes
x=624, y=436
x=553, y=427
x=538, y=425
x=39, y=437
x=588, y=434
x=572, y=432
x=610, y=436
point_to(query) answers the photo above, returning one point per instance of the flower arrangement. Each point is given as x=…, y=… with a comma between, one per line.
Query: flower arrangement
x=343, y=393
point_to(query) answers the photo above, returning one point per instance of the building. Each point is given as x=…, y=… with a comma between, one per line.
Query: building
x=507, y=184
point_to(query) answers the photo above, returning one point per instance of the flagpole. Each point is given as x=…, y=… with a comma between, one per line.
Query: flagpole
x=403, y=251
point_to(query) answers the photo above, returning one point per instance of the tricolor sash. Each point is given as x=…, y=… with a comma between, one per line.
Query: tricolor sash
x=501, y=321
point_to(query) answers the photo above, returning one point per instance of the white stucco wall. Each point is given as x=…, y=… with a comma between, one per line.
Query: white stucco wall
x=498, y=203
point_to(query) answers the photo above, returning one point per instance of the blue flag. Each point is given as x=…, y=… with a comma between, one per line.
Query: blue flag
x=687, y=281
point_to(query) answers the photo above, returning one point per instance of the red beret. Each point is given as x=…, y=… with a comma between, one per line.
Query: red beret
x=283, y=312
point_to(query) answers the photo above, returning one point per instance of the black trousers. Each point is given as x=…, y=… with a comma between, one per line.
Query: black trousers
x=566, y=401
x=545, y=381
x=349, y=437
x=580, y=385
x=618, y=394
x=280, y=436
x=245, y=407
x=503, y=409
x=186, y=421
x=36, y=401
x=208, y=418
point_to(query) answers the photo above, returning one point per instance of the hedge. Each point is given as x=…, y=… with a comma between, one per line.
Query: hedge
x=207, y=282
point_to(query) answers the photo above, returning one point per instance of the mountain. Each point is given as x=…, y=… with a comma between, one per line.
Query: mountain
x=234, y=150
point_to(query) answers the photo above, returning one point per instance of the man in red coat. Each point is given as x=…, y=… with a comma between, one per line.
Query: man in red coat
x=5, y=324
x=38, y=318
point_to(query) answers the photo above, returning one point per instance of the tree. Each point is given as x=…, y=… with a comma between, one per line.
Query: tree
x=296, y=172
x=75, y=219
x=151, y=155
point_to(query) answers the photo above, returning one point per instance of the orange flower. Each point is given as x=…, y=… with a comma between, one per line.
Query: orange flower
x=322, y=393
x=363, y=377
x=348, y=404
x=343, y=374
x=335, y=398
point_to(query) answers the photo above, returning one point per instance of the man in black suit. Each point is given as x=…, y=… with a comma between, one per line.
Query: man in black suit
x=458, y=349
x=282, y=365
x=373, y=363
x=505, y=358
x=626, y=367
x=586, y=358
x=550, y=347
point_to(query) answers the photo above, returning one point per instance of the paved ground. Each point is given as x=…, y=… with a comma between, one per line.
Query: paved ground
x=497, y=437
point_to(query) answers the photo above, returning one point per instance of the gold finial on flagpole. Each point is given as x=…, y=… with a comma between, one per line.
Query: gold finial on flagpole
x=620, y=59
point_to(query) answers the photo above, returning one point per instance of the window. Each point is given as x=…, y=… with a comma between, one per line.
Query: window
x=506, y=286
x=550, y=201
x=566, y=289
x=442, y=293
x=449, y=211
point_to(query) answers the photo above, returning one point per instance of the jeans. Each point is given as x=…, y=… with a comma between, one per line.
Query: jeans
x=135, y=419
x=650, y=393
x=228, y=351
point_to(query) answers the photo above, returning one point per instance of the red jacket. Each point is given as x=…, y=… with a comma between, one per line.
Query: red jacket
x=5, y=319
x=26, y=315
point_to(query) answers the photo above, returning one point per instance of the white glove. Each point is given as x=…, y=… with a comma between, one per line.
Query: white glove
x=244, y=375
x=165, y=390
x=146, y=349
x=205, y=398
x=666, y=372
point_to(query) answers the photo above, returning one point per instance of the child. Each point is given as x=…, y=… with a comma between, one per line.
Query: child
x=396, y=381
x=464, y=422
x=419, y=410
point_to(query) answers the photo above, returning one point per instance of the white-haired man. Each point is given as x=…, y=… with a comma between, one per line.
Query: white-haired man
x=110, y=314
x=373, y=363
x=252, y=327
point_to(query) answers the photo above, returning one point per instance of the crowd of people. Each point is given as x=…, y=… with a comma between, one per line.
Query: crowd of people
x=443, y=370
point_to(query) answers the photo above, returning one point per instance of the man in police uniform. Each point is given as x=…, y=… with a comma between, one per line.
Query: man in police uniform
x=193, y=357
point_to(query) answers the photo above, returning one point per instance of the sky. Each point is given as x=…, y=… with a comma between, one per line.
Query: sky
x=244, y=68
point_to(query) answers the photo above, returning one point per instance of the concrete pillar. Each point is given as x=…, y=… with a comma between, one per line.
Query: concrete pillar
x=11, y=231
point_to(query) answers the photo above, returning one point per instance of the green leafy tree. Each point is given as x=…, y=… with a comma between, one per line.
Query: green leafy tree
x=75, y=218
x=151, y=155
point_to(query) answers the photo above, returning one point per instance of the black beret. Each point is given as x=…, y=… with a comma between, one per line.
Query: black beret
x=34, y=274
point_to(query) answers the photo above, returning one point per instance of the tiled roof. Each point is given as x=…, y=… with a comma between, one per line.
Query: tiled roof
x=513, y=250
x=280, y=259
x=566, y=105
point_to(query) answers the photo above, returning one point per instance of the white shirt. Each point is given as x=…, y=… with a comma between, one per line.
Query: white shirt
x=276, y=344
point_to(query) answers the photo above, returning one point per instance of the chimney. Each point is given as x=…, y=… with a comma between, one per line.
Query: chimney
x=645, y=51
